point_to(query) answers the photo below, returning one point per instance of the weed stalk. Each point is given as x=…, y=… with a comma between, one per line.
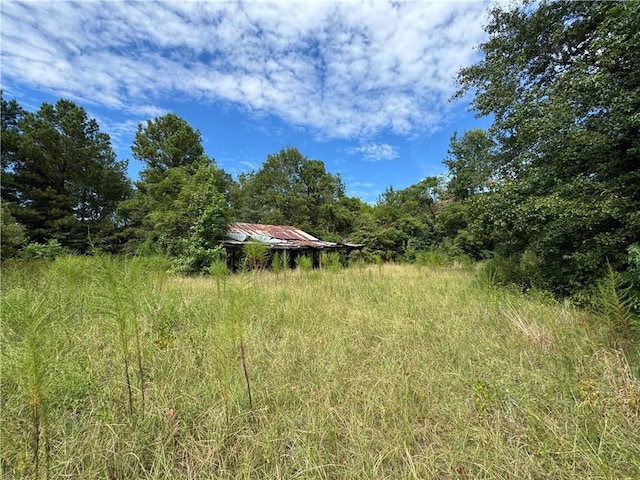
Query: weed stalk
x=139, y=355
x=219, y=271
x=243, y=357
x=36, y=400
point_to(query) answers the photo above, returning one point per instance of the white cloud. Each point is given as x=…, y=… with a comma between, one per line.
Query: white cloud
x=250, y=165
x=347, y=69
x=361, y=184
x=121, y=132
x=368, y=195
x=375, y=152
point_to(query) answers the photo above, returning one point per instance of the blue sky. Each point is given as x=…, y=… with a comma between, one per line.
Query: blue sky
x=362, y=86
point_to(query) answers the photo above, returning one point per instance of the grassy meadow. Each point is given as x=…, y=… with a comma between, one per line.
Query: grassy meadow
x=118, y=370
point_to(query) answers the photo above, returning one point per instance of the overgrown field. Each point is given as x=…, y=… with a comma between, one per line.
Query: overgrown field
x=117, y=370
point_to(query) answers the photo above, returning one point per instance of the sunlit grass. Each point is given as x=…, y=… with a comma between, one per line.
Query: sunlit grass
x=372, y=372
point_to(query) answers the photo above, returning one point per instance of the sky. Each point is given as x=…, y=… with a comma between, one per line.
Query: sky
x=365, y=87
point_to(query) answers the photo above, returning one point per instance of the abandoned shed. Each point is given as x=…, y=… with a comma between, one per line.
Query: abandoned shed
x=278, y=237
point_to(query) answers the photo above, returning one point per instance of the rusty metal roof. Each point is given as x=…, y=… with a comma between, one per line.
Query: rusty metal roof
x=277, y=236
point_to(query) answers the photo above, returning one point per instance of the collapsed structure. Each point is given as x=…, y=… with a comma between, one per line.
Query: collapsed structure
x=278, y=237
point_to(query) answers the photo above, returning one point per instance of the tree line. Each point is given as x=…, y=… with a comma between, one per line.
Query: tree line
x=549, y=195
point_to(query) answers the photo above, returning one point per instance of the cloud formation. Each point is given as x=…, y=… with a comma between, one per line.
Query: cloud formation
x=337, y=70
x=375, y=152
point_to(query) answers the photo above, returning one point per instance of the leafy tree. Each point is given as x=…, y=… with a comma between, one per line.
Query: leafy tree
x=187, y=209
x=61, y=176
x=401, y=222
x=181, y=204
x=562, y=81
x=11, y=114
x=293, y=190
x=164, y=143
x=11, y=234
x=206, y=216
x=469, y=164
x=338, y=219
x=172, y=153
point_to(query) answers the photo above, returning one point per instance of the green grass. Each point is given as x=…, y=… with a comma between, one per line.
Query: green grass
x=373, y=372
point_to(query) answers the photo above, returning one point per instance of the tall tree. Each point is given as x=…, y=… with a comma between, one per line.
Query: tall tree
x=562, y=81
x=181, y=203
x=166, y=142
x=10, y=136
x=11, y=113
x=290, y=189
x=469, y=163
x=63, y=181
x=401, y=222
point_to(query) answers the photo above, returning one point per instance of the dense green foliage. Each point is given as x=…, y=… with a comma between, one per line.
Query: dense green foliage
x=290, y=189
x=164, y=143
x=470, y=164
x=11, y=233
x=60, y=177
x=562, y=81
x=180, y=207
x=401, y=223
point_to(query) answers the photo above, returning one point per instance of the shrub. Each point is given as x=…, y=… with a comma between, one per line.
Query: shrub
x=11, y=234
x=616, y=301
x=304, y=262
x=50, y=250
x=634, y=263
x=197, y=258
x=220, y=272
x=500, y=270
x=431, y=258
x=447, y=254
x=522, y=271
x=255, y=255
x=357, y=258
x=278, y=263
x=331, y=261
x=634, y=273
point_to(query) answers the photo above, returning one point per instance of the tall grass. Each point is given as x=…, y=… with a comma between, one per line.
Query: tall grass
x=390, y=371
x=124, y=286
x=28, y=360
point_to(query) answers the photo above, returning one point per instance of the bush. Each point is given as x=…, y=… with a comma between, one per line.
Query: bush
x=50, y=250
x=255, y=255
x=634, y=273
x=522, y=271
x=279, y=261
x=357, y=258
x=501, y=270
x=304, y=262
x=616, y=301
x=11, y=234
x=331, y=261
x=447, y=254
x=197, y=259
x=431, y=258
x=634, y=262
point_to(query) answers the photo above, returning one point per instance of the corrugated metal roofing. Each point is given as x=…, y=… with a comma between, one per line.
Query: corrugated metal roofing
x=277, y=236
